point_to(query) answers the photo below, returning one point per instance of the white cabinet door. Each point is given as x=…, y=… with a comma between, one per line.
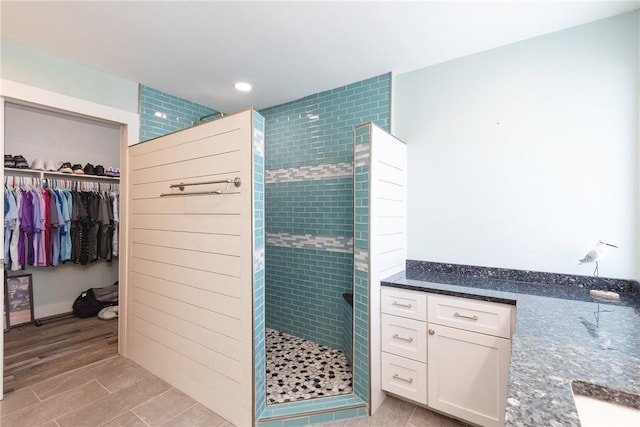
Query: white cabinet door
x=468, y=374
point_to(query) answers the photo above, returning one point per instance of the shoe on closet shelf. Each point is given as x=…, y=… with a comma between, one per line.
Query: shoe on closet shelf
x=20, y=162
x=110, y=172
x=8, y=161
x=37, y=164
x=50, y=166
x=89, y=169
x=77, y=169
x=65, y=167
x=108, y=313
x=117, y=173
x=99, y=170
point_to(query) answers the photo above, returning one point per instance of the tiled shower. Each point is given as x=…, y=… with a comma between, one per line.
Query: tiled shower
x=309, y=213
x=309, y=217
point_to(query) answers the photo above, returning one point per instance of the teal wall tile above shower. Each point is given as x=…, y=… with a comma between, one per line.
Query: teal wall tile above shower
x=320, y=207
x=309, y=205
x=162, y=113
x=319, y=128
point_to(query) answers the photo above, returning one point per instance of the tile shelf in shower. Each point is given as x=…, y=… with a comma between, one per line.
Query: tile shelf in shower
x=348, y=297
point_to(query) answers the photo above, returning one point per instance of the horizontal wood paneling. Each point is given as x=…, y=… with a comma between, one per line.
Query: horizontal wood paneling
x=389, y=190
x=214, y=340
x=213, y=301
x=392, y=208
x=206, y=204
x=223, y=224
x=225, y=285
x=387, y=248
x=215, y=263
x=388, y=242
x=221, y=244
x=186, y=145
x=221, y=164
x=190, y=264
x=202, y=384
x=223, y=366
x=220, y=323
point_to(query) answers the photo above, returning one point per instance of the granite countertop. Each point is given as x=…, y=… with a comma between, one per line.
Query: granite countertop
x=556, y=340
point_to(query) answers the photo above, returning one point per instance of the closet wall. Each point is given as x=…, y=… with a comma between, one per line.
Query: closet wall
x=46, y=135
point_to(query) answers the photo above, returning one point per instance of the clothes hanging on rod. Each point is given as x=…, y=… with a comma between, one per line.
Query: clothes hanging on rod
x=50, y=221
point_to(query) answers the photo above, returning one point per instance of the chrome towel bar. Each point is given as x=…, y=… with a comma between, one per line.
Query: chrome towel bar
x=235, y=181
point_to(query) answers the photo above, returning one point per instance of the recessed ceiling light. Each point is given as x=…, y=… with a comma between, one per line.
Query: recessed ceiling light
x=243, y=86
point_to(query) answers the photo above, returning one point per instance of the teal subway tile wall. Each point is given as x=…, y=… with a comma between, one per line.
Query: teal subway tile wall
x=307, y=300
x=309, y=206
x=362, y=161
x=259, y=357
x=347, y=331
x=162, y=113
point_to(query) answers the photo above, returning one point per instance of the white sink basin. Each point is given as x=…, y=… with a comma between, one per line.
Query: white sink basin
x=594, y=412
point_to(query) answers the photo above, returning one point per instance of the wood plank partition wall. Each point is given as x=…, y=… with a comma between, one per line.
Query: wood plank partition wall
x=191, y=259
x=388, y=233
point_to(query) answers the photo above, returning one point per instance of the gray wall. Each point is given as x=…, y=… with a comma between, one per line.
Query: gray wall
x=526, y=155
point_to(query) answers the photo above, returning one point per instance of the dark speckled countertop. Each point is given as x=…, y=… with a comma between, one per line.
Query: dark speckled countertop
x=556, y=339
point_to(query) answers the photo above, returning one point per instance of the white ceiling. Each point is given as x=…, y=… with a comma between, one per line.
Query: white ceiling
x=287, y=50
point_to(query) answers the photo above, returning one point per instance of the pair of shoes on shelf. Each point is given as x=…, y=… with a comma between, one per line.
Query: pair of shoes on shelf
x=39, y=164
x=115, y=173
x=97, y=170
x=65, y=167
x=108, y=313
x=18, y=161
x=89, y=169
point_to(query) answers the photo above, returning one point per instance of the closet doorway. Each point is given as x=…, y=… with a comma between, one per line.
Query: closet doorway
x=48, y=134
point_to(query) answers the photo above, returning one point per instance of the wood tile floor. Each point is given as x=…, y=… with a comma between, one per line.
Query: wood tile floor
x=398, y=413
x=116, y=393
x=33, y=354
x=112, y=392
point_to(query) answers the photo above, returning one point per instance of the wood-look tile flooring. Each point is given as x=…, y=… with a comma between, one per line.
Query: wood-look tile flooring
x=398, y=413
x=35, y=353
x=112, y=392
x=55, y=381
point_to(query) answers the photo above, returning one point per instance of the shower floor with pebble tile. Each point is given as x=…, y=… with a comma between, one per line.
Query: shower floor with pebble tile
x=298, y=369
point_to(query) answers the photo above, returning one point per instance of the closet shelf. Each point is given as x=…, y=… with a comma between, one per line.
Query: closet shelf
x=45, y=174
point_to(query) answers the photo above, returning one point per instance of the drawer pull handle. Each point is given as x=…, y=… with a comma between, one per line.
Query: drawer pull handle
x=398, y=377
x=474, y=317
x=402, y=305
x=410, y=339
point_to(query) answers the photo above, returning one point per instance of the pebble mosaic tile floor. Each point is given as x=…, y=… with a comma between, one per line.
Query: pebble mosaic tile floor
x=298, y=369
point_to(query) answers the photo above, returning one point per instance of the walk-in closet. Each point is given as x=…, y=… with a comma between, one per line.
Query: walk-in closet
x=62, y=191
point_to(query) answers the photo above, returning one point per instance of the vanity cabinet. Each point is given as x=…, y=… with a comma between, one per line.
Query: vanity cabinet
x=404, y=343
x=450, y=354
x=468, y=359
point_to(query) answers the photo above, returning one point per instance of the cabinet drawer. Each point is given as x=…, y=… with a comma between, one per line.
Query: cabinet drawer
x=478, y=316
x=404, y=337
x=404, y=377
x=405, y=303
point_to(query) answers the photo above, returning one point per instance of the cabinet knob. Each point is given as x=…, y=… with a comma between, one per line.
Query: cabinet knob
x=431, y=332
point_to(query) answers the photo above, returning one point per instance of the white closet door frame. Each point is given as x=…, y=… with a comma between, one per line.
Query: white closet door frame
x=129, y=122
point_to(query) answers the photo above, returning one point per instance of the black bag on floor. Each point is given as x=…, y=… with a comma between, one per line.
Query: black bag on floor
x=91, y=301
